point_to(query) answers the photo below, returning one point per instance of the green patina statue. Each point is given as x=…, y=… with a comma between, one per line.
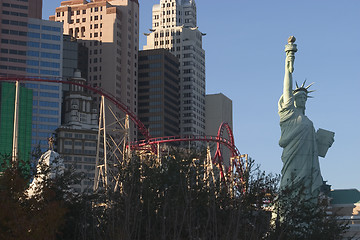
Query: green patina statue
x=301, y=144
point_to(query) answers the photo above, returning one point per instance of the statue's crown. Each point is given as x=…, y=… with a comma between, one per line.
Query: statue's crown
x=302, y=88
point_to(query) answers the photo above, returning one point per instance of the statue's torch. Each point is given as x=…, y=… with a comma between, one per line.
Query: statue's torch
x=290, y=50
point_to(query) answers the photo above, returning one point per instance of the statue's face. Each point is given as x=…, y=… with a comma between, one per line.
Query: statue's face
x=300, y=100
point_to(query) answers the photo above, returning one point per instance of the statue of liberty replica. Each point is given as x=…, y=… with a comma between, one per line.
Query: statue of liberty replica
x=301, y=145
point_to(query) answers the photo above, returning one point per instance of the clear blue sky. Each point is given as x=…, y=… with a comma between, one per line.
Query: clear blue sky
x=245, y=61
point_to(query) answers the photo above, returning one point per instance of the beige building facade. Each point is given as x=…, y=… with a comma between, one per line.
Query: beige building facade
x=109, y=29
x=218, y=110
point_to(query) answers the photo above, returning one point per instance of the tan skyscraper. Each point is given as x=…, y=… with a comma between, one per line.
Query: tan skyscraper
x=110, y=31
x=174, y=27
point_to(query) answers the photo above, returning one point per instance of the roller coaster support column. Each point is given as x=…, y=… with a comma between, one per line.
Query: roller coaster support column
x=101, y=168
x=158, y=158
x=209, y=167
x=126, y=150
x=16, y=121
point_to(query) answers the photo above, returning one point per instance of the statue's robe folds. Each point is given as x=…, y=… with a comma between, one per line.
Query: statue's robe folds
x=300, y=156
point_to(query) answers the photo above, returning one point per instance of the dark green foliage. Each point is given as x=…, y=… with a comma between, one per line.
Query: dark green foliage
x=24, y=218
x=169, y=199
x=298, y=218
x=172, y=200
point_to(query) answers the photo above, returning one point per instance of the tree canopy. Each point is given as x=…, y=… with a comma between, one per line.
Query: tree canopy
x=174, y=197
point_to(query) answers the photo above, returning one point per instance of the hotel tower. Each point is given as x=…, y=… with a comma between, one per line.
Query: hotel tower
x=109, y=29
x=174, y=27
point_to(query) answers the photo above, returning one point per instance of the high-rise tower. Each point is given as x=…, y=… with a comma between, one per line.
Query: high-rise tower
x=175, y=28
x=33, y=47
x=159, y=92
x=14, y=16
x=109, y=28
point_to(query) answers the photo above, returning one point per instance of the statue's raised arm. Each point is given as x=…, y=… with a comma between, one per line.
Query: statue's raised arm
x=290, y=50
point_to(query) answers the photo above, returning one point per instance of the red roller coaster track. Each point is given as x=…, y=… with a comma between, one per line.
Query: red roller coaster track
x=100, y=91
x=230, y=144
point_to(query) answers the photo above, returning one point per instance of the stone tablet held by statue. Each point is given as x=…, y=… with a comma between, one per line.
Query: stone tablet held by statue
x=324, y=140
